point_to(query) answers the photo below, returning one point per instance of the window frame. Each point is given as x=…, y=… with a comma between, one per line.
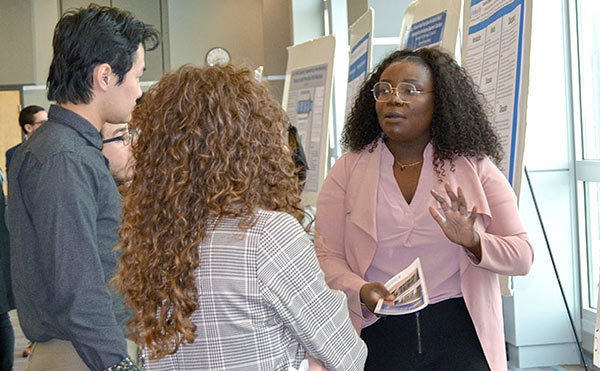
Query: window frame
x=585, y=170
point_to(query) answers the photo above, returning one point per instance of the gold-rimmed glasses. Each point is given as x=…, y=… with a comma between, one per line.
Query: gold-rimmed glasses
x=384, y=91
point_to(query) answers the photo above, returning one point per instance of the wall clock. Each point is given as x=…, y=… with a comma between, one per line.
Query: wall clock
x=217, y=55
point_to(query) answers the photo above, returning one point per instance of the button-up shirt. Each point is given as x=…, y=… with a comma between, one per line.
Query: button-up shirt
x=64, y=211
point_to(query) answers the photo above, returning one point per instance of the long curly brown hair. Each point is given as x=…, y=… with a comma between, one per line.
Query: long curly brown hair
x=460, y=125
x=211, y=145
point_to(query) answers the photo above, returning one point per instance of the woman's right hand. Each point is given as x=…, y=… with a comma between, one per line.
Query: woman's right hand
x=370, y=293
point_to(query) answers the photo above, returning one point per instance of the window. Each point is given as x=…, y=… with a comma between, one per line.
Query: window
x=587, y=19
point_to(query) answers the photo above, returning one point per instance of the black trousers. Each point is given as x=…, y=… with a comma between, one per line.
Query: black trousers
x=439, y=337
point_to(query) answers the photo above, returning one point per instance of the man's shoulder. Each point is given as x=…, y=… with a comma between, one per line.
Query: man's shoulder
x=54, y=138
x=12, y=149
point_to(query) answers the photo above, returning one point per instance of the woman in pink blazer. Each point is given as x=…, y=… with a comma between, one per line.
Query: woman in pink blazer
x=419, y=180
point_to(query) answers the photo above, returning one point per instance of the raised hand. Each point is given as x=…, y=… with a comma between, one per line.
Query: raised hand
x=457, y=222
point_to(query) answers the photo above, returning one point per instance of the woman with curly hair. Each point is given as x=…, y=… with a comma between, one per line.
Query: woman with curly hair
x=419, y=181
x=216, y=265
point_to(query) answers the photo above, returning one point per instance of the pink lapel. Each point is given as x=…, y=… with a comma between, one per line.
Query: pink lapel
x=362, y=191
x=361, y=201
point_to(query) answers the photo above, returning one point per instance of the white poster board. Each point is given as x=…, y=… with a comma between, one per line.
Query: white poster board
x=431, y=24
x=361, y=54
x=307, y=101
x=496, y=44
x=496, y=55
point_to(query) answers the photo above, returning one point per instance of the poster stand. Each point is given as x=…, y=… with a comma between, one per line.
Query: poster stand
x=562, y=291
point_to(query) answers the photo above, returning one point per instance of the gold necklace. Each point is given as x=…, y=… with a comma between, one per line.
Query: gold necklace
x=401, y=167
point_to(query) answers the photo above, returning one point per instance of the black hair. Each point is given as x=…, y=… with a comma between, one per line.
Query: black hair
x=87, y=37
x=26, y=116
x=459, y=126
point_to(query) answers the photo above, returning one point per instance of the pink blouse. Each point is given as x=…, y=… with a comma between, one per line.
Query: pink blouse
x=407, y=231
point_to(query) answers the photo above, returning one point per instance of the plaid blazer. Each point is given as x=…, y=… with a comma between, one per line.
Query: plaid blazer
x=263, y=303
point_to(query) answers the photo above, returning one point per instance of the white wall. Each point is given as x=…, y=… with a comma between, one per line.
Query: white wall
x=195, y=26
x=17, y=40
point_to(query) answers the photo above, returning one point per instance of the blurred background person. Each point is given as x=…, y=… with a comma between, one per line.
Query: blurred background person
x=30, y=118
x=116, y=147
x=216, y=266
x=419, y=180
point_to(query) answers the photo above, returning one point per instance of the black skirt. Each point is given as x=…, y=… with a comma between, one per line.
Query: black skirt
x=439, y=337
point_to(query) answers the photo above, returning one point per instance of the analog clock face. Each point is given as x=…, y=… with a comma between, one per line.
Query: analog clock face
x=217, y=56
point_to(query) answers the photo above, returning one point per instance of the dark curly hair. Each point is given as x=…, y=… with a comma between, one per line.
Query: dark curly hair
x=211, y=145
x=459, y=126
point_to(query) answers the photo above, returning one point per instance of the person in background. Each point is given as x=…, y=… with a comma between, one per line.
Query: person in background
x=216, y=266
x=64, y=207
x=419, y=180
x=116, y=147
x=7, y=300
x=30, y=118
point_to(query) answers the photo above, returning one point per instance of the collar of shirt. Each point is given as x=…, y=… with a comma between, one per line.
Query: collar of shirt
x=82, y=126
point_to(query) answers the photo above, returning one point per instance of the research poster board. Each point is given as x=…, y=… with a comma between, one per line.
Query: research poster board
x=431, y=24
x=496, y=45
x=361, y=55
x=307, y=101
x=495, y=53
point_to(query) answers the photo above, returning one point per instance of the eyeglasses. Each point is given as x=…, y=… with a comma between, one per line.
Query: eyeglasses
x=407, y=92
x=126, y=137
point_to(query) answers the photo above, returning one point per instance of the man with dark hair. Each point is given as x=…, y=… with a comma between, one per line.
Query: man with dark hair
x=30, y=118
x=64, y=206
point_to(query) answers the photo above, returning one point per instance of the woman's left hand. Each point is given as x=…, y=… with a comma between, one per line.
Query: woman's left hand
x=457, y=222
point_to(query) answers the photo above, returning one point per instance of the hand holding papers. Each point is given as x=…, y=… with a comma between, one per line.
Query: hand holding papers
x=409, y=289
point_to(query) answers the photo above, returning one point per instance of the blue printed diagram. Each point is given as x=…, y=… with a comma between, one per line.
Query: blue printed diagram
x=304, y=106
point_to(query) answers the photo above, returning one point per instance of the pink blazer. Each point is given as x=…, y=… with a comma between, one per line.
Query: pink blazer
x=346, y=238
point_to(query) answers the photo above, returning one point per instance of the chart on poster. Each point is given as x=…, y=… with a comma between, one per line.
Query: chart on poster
x=306, y=100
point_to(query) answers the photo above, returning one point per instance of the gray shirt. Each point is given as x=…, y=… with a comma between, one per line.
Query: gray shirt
x=64, y=211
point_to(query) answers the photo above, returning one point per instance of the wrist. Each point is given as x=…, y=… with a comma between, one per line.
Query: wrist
x=475, y=246
x=474, y=241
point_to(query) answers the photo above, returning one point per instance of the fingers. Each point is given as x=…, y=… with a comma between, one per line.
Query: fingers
x=441, y=200
x=370, y=294
x=458, y=201
x=437, y=216
x=452, y=196
x=473, y=215
x=462, y=203
x=382, y=291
